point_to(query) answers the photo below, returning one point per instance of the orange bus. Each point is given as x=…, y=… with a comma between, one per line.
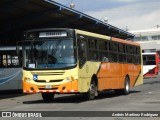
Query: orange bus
x=74, y=61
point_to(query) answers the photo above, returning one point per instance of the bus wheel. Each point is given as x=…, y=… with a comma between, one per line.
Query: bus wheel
x=126, y=89
x=126, y=86
x=90, y=95
x=47, y=97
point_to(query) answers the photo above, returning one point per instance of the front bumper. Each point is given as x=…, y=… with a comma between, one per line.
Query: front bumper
x=69, y=87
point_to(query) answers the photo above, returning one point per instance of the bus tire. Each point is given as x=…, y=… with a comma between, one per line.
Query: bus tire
x=90, y=95
x=47, y=97
x=126, y=89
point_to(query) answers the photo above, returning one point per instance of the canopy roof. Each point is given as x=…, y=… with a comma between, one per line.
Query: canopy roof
x=19, y=15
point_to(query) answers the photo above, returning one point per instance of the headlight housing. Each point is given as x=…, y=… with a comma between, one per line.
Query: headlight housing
x=69, y=79
x=27, y=80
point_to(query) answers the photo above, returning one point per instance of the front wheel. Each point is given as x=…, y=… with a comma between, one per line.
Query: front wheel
x=47, y=97
x=90, y=95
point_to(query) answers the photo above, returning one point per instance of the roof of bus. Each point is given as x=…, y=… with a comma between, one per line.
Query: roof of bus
x=107, y=37
x=125, y=41
x=89, y=34
x=48, y=29
x=93, y=34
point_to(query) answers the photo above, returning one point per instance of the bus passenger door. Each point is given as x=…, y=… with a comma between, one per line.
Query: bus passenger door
x=83, y=72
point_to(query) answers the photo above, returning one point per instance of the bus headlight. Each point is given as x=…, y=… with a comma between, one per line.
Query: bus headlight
x=68, y=79
x=27, y=80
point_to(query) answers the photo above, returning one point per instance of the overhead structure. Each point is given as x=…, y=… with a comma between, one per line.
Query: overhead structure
x=19, y=15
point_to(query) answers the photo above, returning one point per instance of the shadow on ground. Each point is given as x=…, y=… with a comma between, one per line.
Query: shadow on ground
x=78, y=98
x=11, y=94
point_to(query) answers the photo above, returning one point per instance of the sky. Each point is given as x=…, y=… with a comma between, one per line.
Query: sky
x=124, y=14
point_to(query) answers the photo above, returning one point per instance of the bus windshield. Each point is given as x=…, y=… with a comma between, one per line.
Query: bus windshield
x=49, y=54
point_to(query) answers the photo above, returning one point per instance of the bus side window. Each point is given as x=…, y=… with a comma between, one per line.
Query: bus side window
x=82, y=51
x=121, y=53
x=92, y=43
x=10, y=59
x=92, y=50
x=129, y=56
x=113, y=53
x=4, y=60
x=103, y=50
x=139, y=55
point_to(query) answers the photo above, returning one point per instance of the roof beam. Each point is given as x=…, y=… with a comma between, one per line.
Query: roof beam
x=31, y=17
x=64, y=16
x=64, y=22
x=11, y=5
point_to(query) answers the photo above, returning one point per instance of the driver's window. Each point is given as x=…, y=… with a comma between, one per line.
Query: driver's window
x=82, y=52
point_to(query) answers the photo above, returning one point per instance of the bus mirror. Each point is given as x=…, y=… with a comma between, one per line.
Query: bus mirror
x=17, y=49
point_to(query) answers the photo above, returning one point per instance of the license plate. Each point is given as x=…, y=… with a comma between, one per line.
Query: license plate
x=48, y=86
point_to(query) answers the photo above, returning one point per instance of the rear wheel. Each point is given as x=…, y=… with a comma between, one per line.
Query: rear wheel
x=126, y=89
x=90, y=95
x=126, y=86
x=47, y=97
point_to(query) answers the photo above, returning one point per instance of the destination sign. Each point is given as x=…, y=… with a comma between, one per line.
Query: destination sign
x=52, y=34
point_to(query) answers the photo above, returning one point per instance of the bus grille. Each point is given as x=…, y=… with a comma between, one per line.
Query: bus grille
x=48, y=89
x=47, y=73
x=44, y=81
x=56, y=80
x=40, y=81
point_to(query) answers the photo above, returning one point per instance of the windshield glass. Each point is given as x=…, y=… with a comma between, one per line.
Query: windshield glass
x=49, y=54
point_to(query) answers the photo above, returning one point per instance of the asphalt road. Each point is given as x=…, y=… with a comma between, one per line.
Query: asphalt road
x=142, y=98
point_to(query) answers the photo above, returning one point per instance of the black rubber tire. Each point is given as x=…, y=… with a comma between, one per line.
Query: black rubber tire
x=47, y=97
x=90, y=95
x=126, y=89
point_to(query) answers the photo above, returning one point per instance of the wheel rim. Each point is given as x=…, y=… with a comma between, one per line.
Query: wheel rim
x=92, y=90
x=127, y=86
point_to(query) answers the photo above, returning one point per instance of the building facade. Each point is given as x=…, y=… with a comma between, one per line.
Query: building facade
x=148, y=38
